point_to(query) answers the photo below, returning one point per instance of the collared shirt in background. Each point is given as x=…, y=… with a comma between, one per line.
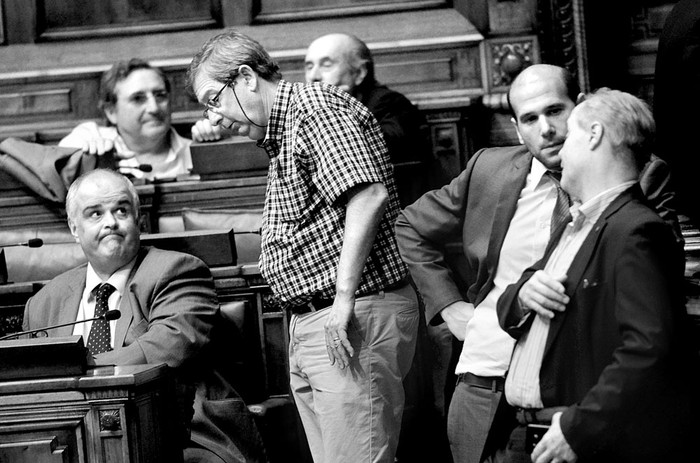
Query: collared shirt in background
x=523, y=381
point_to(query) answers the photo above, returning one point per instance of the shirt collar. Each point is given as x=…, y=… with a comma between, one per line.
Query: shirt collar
x=537, y=170
x=118, y=279
x=275, y=125
x=592, y=209
x=176, y=143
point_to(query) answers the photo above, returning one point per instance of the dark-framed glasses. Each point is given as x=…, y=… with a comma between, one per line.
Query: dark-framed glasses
x=214, y=101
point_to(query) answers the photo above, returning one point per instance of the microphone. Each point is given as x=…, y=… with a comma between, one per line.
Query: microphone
x=109, y=316
x=31, y=243
x=141, y=167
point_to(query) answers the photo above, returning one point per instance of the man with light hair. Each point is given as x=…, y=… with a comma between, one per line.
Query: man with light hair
x=603, y=355
x=328, y=249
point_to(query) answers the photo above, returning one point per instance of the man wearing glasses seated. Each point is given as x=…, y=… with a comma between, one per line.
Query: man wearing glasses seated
x=135, y=99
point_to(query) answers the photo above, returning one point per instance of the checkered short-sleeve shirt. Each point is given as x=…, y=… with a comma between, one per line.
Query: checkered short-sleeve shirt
x=321, y=143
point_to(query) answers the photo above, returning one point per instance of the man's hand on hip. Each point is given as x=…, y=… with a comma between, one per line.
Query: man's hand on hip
x=338, y=345
x=457, y=315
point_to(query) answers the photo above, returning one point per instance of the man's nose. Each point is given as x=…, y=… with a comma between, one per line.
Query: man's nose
x=109, y=220
x=152, y=103
x=313, y=74
x=214, y=118
x=546, y=128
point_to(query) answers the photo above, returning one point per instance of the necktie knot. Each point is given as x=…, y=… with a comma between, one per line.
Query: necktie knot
x=556, y=176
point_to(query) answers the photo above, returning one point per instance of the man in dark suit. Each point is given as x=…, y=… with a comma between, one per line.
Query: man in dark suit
x=170, y=312
x=500, y=208
x=603, y=353
x=345, y=61
x=677, y=86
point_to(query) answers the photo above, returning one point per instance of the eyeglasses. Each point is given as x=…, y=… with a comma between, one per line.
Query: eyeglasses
x=214, y=102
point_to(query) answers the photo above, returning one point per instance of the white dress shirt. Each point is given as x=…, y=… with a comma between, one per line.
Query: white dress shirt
x=87, y=303
x=523, y=381
x=487, y=348
x=178, y=161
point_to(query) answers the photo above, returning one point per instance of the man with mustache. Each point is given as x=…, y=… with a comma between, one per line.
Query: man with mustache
x=169, y=314
x=502, y=208
x=135, y=99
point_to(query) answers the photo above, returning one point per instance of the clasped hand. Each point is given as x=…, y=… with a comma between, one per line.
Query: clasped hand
x=543, y=294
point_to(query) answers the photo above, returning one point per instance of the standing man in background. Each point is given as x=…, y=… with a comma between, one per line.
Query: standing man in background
x=345, y=61
x=676, y=87
x=502, y=209
x=604, y=354
x=328, y=248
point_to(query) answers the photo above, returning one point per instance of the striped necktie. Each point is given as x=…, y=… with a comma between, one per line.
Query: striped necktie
x=560, y=214
x=100, y=337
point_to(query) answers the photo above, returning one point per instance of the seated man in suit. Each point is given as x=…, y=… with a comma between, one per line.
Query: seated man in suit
x=170, y=312
x=603, y=354
x=135, y=99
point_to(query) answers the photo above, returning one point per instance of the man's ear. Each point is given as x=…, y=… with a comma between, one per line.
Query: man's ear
x=249, y=77
x=73, y=230
x=360, y=74
x=595, y=135
x=517, y=131
x=111, y=114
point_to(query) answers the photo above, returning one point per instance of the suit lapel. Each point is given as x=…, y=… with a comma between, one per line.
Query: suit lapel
x=69, y=303
x=514, y=176
x=129, y=303
x=584, y=256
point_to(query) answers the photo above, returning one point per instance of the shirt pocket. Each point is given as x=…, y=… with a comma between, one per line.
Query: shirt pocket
x=289, y=198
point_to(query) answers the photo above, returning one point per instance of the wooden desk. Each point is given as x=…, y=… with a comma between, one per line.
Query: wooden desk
x=118, y=414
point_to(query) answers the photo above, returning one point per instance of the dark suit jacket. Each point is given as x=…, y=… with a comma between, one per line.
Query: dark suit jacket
x=400, y=121
x=476, y=209
x=169, y=312
x=676, y=95
x=619, y=355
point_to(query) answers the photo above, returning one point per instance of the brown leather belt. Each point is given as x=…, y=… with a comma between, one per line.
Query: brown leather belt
x=495, y=383
x=527, y=416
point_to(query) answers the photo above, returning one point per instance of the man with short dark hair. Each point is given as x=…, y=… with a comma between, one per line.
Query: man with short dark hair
x=135, y=101
x=328, y=247
x=169, y=313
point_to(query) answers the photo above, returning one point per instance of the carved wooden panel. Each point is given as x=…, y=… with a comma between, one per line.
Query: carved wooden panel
x=284, y=10
x=66, y=19
x=507, y=57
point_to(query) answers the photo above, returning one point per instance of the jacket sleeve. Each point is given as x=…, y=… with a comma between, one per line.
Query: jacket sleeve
x=513, y=319
x=422, y=231
x=655, y=180
x=180, y=311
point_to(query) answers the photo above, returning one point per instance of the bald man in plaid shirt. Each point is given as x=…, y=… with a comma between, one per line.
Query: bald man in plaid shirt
x=328, y=248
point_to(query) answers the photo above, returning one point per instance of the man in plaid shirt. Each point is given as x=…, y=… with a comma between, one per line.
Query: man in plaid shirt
x=328, y=248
